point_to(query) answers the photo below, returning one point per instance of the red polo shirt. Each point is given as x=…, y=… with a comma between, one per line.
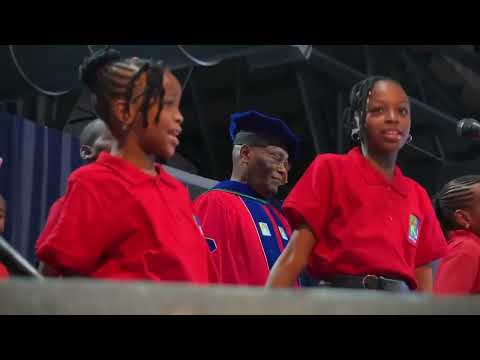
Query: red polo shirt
x=363, y=223
x=116, y=222
x=459, y=270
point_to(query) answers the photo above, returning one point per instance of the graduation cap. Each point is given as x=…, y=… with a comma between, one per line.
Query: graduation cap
x=254, y=128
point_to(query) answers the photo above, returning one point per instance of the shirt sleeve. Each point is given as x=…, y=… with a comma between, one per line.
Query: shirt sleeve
x=52, y=218
x=310, y=200
x=78, y=234
x=431, y=243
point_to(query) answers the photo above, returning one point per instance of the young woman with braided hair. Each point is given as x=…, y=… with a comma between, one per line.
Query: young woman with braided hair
x=458, y=208
x=359, y=222
x=123, y=216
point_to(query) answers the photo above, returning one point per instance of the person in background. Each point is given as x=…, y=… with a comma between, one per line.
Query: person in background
x=94, y=138
x=240, y=217
x=458, y=208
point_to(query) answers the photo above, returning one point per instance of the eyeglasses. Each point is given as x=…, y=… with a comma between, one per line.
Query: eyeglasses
x=280, y=157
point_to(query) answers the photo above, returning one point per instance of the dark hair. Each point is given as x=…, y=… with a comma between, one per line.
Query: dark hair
x=110, y=76
x=355, y=114
x=456, y=194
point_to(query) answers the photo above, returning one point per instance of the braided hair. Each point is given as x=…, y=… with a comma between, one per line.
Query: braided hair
x=456, y=194
x=355, y=114
x=109, y=76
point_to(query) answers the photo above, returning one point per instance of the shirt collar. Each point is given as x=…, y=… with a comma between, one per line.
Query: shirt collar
x=373, y=177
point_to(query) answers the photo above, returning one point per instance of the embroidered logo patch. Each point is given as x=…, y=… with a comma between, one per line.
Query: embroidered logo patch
x=413, y=228
x=283, y=234
x=264, y=229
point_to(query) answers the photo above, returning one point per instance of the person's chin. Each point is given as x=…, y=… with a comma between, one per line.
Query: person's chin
x=166, y=153
x=393, y=147
x=273, y=191
x=389, y=147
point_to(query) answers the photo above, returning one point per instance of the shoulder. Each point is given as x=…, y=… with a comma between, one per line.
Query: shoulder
x=171, y=181
x=419, y=192
x=92, y=173
x=419, y=189
x=217, y=197
x=330, y=159
x=98, y=181
x=327, y=163
x=464, y=244
x=325, y=168
x=218, y=201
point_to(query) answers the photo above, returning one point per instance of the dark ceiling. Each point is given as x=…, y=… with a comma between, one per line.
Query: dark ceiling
x=309, y=94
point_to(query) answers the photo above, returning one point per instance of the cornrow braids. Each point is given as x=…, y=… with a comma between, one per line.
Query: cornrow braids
x=355, y=114
x=456, y=194
x=109, y=76
x=90, y=65
x=154, y=88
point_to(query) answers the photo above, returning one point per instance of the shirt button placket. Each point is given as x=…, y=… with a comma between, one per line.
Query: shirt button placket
x=389, y=203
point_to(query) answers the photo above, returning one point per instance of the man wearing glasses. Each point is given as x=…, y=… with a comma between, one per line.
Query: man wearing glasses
x=243, y=223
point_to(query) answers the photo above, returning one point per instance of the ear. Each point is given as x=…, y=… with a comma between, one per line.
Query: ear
x=122, y=112
x=365, y=124
x=462, y=218
x=245, y=153
x=86, y=152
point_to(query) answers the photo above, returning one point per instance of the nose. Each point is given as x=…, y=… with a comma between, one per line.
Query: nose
x=179, y=117
x=391, y=116
x=283, y=170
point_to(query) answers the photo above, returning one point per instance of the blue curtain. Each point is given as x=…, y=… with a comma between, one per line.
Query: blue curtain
x=36, y=164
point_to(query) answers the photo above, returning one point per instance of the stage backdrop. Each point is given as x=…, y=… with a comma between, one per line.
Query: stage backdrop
x=36, y=164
